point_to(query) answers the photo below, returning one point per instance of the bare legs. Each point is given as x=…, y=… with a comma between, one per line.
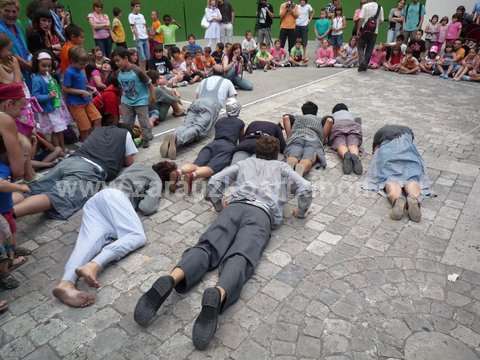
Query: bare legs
x=31, y=205
x=302, y=167
x=400, y=204
x=67, y=293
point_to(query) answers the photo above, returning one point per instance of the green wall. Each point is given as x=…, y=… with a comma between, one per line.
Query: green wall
x=188, y=13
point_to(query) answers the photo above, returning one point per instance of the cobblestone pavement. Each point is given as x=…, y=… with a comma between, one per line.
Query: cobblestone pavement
x=347, y=283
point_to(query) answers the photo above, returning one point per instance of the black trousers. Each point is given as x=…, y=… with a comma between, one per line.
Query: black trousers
x=366, y=44
x=234, y=243
x=290, y=35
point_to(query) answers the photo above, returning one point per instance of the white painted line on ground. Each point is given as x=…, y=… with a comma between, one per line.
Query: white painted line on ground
x=286, y=91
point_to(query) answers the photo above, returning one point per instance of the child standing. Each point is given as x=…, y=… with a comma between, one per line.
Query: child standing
x=213, y=17
x=137, y=90
x=431, y=32
x=454, y=29
x=446, y=62
x=322, y=27
x=442, y=33
x=393, y=63
x=156, y=37
x=48, y=93
x=263, y=59
x=409, y=64
x=339, y=23
x=428, y=63
x=325, y=56
x=75, y=37
x=118, y=33
x=79, y=100
x=138, y=25
x=169, y=29
x=297, y=55
x=279, y=54
x=379, y=56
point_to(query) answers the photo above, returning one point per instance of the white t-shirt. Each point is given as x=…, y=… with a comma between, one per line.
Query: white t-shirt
x=138, y=21
x=304, y=14
x=249, y=45
x=130, y=148
x=226, y=89
x=370, y=10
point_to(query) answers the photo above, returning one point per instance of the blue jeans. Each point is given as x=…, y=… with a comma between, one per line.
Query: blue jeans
x=239, y=82
x=105, y=45
x=143, y=49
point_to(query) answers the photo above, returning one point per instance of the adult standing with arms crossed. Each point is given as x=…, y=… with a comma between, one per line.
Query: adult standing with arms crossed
x=264, y=22
x=305, y=15
x=371, y=16
x=228, y=17
x=413, y=16
x=288, y=15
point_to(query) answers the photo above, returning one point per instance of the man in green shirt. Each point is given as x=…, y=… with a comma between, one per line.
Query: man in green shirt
x=168, y=29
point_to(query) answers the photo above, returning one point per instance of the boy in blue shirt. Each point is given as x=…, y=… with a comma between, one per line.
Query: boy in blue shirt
x=192, y=46
x=79, y=99
x=137, y=93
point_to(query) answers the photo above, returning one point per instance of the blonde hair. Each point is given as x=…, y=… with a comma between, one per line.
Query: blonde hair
x=5, y=3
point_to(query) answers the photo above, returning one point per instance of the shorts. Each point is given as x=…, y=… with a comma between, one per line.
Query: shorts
x=143, y=49
x=302, y=149
x=346, y=140
x=217, y=155
x=336, y=40
x=84, y=115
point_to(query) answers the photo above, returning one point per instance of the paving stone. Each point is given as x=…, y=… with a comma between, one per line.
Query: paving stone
x=250, y=350
x=47, y=331
x=334, y=343
x=43, y=353
x=456, y=299
x=26, y=303
x=19, y=326
x=279, y=258
x=17, y=349
x=466, y=335
x=319, y=248
x=282, y=348
x=72, y=339
x=308, y=347
x=107, y=342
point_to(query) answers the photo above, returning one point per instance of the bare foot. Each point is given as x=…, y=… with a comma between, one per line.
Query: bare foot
x=67, y=293
x=89, y=274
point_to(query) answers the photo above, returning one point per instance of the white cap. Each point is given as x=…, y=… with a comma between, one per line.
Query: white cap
x=232, y=106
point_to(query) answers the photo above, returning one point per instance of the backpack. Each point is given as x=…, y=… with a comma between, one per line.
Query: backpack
x=419, y=12
x=371, y=25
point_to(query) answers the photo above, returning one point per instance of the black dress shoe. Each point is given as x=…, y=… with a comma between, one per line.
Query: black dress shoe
x=347, y=163
x=150, y=302
x=205, y=325
x=357, y=165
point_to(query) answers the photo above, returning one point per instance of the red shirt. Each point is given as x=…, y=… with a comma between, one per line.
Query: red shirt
x=108, y=102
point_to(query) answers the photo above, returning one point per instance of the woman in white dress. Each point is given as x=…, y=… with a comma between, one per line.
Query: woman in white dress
x=213, y=16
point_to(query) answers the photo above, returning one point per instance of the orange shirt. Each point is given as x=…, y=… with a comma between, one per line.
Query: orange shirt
x=288, y=20
x=64, y=60
x=157, y=37
x=199, y=63
x=208, y=61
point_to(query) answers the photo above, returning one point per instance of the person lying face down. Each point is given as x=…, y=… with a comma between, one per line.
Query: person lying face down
x=344, y=135
x=235, y=241
x=110, y=229
x=398, y=169
x=66, y=188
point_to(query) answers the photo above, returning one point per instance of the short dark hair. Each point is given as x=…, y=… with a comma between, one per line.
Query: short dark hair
x=207, y=49
x=123, y=53
x=267, y=147
x=263, y=44
x=221, y=45
x=191, y=36
x=163, y=170
x=116, y=11
x=339, y=107
x=309, y=108
x=166, y=16
x=134, y=2
x=154, y=75
x=420, y=30
x=72, y=31
x=97, y=4
x=174, y=50
x=401, y=37
x=158, y=48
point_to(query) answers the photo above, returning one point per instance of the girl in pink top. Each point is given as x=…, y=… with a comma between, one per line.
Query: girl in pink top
x=379, y=56
x=280, y=58
x=454, y=29
x=442, y=32
x=325, y=55
x=100, y=24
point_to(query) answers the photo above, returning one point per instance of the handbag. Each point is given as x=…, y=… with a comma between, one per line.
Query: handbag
x=205, y=23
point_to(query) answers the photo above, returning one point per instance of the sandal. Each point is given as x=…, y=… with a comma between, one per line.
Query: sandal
x=22, y=251
x=15, y=265
x=8, y=282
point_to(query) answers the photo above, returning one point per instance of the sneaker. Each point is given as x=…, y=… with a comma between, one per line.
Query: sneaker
x=338, y=65
x=249, y=68
x=357, y=165
x=205, y=324
x=183, y=83
x=413, y=208
x=398, y=209
x=149, y=303
x=164, y=147
x=347, y=164
x=172, y=146
x=146, y=144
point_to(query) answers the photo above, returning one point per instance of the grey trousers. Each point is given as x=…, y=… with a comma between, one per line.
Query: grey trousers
x=264, y=36
x=234, y=243
x=200, y=119
x=110, y=230
x=129, y=113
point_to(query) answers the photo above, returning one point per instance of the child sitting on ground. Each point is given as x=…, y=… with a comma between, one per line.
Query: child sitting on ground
x=297, y=55
x=179, y=66
x=409, y=64
x=217, y=155
x=279, y=55
x=417, y=45
x=208, y=60
x=192, y=75
x=446, y=62
x=79, y=99
x=263, y=59
x=249, y=48
x=161, y=63
x=348, y=54
x=474, y=74
x=164, y=99
x=325, y=56
x=192, y=46
x=44, y=154
x=428, y=63
x=53, y=120
x=218, y=53
x=393, y=63
x=379, y=56
x=466, y=65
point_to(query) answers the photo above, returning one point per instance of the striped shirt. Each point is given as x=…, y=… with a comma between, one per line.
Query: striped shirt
x=307, y=127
